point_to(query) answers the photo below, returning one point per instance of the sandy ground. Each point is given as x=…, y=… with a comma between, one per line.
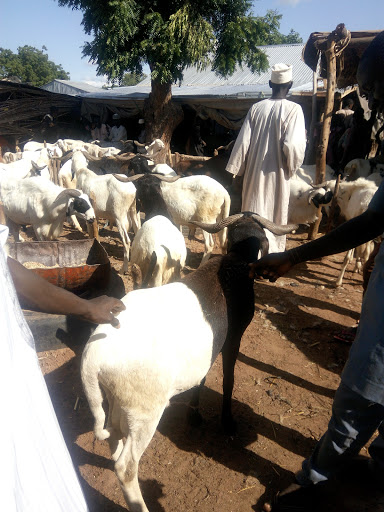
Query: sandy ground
x=287, y=371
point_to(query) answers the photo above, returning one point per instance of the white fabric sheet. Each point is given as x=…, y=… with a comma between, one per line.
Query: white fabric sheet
x=268, y=150
x=39, y=475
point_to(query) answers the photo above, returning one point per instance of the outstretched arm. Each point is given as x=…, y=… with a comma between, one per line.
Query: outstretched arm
x=351, y=234
x=52, y=299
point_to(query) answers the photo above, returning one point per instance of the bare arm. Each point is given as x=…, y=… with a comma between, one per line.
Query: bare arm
x=52, y=299
x=351, y=234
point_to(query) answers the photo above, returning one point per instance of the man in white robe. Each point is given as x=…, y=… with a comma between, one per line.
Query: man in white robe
x=117, y=131
x=38, y=472
x=268, y=150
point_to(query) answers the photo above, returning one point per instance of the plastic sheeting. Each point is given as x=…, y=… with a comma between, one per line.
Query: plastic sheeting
x=39, y=475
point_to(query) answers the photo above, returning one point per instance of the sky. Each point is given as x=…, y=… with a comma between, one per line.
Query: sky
x=41, y=23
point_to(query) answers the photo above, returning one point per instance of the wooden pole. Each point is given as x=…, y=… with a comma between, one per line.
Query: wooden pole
x=308, y=157
x=323, y=145
x=3, y=219
x=95, y=226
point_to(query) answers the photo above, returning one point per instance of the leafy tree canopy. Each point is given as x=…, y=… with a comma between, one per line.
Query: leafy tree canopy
x=30, y=65
x=170, y=35
x=132, y=78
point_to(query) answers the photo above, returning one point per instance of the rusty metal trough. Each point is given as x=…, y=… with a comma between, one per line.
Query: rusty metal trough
x=76, y=265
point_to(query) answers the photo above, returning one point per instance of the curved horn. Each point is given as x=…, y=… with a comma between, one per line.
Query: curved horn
x=89, y=157
x=215, y=228
x=276, y=229
x=126, y=179
x=168, y=179
x=123, y=158
x=66, y=194
x=38, y=167
x=137, y=143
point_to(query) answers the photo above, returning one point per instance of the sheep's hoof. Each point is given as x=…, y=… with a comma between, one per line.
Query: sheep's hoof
x=229, y=426
x=102, y=434
x=195, y=419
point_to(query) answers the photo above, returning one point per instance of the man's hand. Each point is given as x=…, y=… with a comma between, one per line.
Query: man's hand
x=103, y=310
x=270, y=267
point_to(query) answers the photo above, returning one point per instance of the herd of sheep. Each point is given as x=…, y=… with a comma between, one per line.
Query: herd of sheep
x=216, y=301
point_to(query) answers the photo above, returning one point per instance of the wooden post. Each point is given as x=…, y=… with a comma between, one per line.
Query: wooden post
x=95, y=226
x=334, y=36
x=308, y=156
x=333, y=204
x=3, y=219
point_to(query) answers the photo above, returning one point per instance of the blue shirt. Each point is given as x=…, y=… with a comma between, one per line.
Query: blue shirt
x=364, y=370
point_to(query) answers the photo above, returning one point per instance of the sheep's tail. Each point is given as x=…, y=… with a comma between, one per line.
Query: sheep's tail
x=224, y=214
x=93, y=391
x=151, y=269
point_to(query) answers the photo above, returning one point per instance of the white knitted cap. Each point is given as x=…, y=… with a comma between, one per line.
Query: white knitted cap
x=281, y=73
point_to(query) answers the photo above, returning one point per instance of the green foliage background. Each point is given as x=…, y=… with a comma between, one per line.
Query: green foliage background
x=171, y=35
x=31, y=65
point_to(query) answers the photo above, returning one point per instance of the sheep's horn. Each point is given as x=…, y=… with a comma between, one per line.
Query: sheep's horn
x=320, y=185
x=168, y=179
x=67, y=156
x=89, y=157
x=123, y=158
x=66, y=194
x=126, y=179
x=139, y=144
x=276, y=229
x=38, y=167
x=215, y=228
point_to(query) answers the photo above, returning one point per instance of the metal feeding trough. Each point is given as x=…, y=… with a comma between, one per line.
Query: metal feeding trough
x=77, y=265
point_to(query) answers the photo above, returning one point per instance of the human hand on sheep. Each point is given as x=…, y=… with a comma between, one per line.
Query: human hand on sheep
x=270, y=267
x=103, y=310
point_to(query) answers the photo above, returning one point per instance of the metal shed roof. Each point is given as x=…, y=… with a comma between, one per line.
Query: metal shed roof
x=206, y=83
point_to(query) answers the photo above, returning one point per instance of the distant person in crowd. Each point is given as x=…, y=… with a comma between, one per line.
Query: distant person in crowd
x=40, y=476
x=99, y=130
x=268, y=150
x=49, y=130
x=347, y=112
x=356, y=142
x=195, y=144
x=142, y=133
x=358, y=407
x=117, y=130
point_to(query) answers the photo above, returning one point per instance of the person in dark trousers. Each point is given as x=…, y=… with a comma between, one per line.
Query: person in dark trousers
x=358, y=407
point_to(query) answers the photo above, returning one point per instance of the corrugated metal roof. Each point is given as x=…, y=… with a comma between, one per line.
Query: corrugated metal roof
x=69, y=87
x=286, y=53
x=242, y=84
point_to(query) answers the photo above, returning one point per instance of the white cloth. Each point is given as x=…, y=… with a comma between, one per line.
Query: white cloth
x=268, y=150
x=118, y=133
x=38, y=472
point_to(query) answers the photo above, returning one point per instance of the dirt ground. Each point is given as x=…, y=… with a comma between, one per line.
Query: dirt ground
x=287, y=371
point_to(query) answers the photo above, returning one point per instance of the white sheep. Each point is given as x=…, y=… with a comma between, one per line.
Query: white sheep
x=362, y=168
x=353, y=199
x=168, y=339
x=42, y=204
x=159, y=250
x=114, y=201
x=194, y=198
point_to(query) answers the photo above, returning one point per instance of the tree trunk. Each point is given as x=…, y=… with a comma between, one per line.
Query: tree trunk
x=161, y=116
